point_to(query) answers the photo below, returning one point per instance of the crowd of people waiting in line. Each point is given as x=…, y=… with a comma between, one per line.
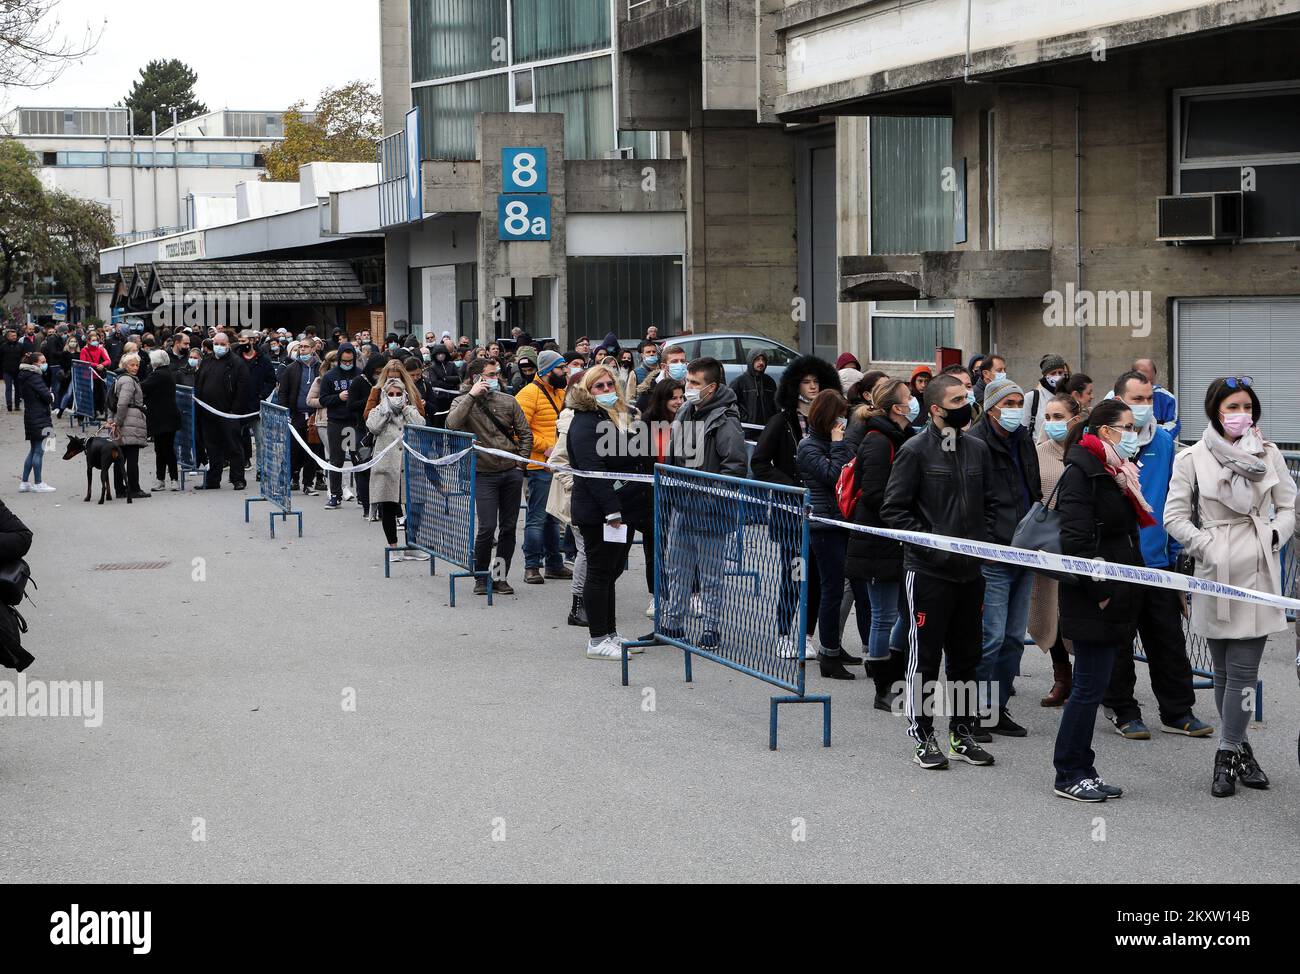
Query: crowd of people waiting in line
x=964, y=452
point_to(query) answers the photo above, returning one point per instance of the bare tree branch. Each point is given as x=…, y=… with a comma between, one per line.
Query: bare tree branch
x=34, y=50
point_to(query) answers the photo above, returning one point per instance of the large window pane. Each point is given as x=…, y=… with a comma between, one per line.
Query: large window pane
x=451, y=37
x=624, y=295
x=447, y=114
x=583, y=92
x=910, y=211
x=908, y=339
x=1249, y=124
x=556, y=28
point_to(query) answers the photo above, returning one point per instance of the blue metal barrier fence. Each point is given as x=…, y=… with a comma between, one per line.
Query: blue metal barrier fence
x=83, y=394
x=186, y=454
x=754, y=618
x=274, y=466
x=440, y=513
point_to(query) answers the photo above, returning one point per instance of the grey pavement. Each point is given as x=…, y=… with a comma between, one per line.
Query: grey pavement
x=223, y=702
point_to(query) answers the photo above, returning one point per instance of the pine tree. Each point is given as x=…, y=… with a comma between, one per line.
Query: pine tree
x=162, y=86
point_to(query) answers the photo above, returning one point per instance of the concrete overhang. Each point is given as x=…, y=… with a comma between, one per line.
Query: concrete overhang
x=656, y=22
x=453, y=187
x=922, y=88
x=946, y=274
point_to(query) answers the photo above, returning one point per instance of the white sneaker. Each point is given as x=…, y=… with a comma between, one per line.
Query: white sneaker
x=697, y=607
x=604, y=649
x=24, y=488
x=650, y=609
x=618, y=641
x=786, y=647
x=415, y=556
x=158, y=486
x=174, y=485
x=43, y=488
x=348, y=494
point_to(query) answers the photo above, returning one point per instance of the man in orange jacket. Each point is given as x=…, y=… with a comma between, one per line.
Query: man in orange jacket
x=541, y=401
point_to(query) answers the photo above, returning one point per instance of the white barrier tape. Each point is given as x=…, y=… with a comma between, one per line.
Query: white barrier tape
x=325, y=465
x=640, y=478
x=1044, y=560
x=218, y=412
x=446, y=461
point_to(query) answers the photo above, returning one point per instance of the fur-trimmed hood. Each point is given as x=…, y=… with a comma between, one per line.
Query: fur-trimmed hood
x=787, y=392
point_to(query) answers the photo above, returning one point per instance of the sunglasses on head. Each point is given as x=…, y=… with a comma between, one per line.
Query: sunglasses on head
x=1238, y=382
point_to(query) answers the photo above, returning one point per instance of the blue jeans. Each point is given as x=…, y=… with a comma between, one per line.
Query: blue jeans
x=829, y=549
x=888, y=625
x=12, y=399
x=689, y=553
x=541, y=530
x=1006, y=614
x=1074, y=756
x=32, y=463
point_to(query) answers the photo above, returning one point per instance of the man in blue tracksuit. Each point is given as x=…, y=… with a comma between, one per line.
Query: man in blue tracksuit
x=340, y=430
x=1160, y=617
x=1164, y=404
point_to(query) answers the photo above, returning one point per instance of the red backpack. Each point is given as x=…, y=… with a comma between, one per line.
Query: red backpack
x=847, y=489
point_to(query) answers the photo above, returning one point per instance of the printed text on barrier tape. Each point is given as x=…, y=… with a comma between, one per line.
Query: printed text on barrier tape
x=1025, y=558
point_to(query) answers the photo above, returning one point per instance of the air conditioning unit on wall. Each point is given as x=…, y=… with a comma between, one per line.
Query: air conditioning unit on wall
x=1199, y=217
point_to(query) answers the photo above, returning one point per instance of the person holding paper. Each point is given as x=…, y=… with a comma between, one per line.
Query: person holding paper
x=604, y=509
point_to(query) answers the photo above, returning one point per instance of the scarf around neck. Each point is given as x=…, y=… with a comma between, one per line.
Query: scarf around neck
x=1241, y=465
x=1124, y=473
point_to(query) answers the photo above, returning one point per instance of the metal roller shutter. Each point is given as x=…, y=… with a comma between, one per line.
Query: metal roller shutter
x=1259, y=337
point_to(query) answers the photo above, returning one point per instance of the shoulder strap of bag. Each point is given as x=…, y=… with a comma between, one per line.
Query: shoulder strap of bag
x=496, y=422
x=1033, y=414
x=554, y=408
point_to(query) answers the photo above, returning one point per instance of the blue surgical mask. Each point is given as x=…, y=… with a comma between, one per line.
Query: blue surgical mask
x=970, y=396
x=45, y=367
x=1141, y=414
x=347, y=366
x=1010, y=418
x=1127, y=447
x=999, y=376
x=393, y=346
x=650, y=360
x=493, y=384
x=1056, y=430
x=220, y=351
x=677, y=370
x=913, y=409
x=304, y=359
x=608, y=399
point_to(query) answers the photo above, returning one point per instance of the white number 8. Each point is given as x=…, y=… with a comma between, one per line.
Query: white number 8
x=516, y=218
x=525, y=173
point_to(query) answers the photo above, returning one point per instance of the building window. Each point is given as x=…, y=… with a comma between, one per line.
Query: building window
x=583, y=92
x=455, y=37
x=447, y=113
x=559, y=28
x=625, y=295
x=910, y=331
x=1243, y=137
x=523, y=89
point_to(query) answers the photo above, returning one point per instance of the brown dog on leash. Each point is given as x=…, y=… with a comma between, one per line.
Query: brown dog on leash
x=101, y=454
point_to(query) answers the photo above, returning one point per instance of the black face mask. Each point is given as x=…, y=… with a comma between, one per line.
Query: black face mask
x=958, y=416
x=558, y=379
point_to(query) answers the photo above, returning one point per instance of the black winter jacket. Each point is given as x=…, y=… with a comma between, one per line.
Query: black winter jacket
x=161, y=414
x=1005, y=484
x=36, y=397
x=773, y=461
x=871, y=556
x=820, y=461
x=755, y=395
x=593, y=500
x=222, y=383
x=1097, y=521
x=11, y=356
x=939, y=485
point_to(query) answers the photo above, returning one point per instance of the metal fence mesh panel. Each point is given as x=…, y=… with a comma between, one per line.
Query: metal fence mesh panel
x=273, y=457
x=83, y=391
x=440, y=497
x=729, y=578
x=186, y=454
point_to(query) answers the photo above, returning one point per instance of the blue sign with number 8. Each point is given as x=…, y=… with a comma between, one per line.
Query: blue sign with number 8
x=523, y=170
x=524, y=217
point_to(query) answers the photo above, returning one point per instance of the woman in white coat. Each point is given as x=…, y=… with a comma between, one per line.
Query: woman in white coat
x=1231, y=504
x=387, y=420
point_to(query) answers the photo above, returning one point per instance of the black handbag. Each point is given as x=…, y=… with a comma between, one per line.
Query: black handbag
x=1040, y=530
x=15, y=576
x=1185, y=564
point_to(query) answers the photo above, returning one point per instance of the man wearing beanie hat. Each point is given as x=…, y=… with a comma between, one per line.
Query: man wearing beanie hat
x=1015, y=486
x=1055, y=372
x=541, y=400
x=523, y=369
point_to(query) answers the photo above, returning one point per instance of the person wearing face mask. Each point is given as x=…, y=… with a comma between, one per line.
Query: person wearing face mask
x=292, y=392
x=37, y=399
x=387, y=420
x=1165, y=403
x=961, y=373
x=988, y=368
x=261, y=383
x=821, y=456
x=335, y=395
x=93, y=353
x=706, y=435
x=1160, y=614
x=1232, y=506
x=774, y=462
x=877, y=561
x=599, y=439
x=163, y=419
x=525, y=370
x=1062, y=415
x=1016, y=488
x=1101, y=509
x=128, y=423
x=939, y=486
x=649, y=352
x=222, y=382
x=1055, y=374
x=541, y=401
x=495, y=418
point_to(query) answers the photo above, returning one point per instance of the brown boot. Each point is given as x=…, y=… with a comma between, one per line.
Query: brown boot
x=1062, y=676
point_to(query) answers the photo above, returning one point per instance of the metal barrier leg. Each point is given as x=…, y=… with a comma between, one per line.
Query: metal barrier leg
x=822, y=699
x=387, y=563
x=247, y=502
x=633, y=644
x=687, y=654
x=299, y=515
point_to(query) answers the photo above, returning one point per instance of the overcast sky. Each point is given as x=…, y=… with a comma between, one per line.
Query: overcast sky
x=249, y=54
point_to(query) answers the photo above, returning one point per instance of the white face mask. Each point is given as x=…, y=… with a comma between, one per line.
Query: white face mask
x=396, y=401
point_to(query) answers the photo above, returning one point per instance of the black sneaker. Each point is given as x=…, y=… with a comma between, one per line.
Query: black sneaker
x=1110, y=791
x=962, y=746
x=333, y=504
x=502, y=588
x=980, y=733
x=480, y=586
x=1008, y=727
x=308, y=490
x=928, y=755
x=1082, y=791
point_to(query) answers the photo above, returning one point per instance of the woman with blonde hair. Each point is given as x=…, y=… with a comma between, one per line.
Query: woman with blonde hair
x=394, y=369
x=387, y=421
x=1061, y=414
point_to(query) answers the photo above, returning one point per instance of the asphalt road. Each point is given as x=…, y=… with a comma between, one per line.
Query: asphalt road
x=485, y=747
